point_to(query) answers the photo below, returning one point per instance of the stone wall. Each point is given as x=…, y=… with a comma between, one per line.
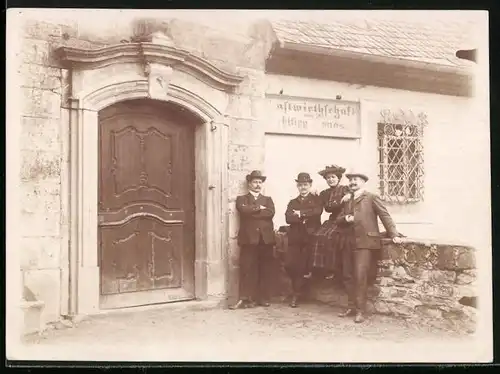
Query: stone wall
x=44, y=160
x=427, y=282
x=40, y=79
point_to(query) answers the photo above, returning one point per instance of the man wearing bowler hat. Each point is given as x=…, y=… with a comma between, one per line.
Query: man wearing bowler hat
x=303, y=214
x=360, y=215
x=256, y=240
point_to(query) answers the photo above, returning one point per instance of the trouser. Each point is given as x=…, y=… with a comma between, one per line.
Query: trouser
x=255, y=261
x=297, y=281
x=296, y=265
x=356, y=269
x=300, y=286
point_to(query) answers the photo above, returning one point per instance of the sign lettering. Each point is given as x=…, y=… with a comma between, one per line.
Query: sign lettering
x=307, y=116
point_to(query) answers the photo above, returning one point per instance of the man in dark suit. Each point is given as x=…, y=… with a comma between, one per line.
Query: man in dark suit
x=256, y=239
x=361, y=214
x=303, y=214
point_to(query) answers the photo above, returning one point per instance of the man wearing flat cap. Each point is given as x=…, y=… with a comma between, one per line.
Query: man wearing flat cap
x=303, y=214
x=256, y=239
x=360, y=217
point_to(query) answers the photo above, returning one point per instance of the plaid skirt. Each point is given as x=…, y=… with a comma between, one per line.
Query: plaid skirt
x=327, y=245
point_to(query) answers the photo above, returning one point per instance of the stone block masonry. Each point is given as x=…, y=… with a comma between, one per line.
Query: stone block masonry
x=44, y=86
x=42, y=83
x=416, y=281
x=40, y=182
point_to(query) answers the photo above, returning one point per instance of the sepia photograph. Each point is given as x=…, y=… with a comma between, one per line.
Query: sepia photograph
x=276, y=186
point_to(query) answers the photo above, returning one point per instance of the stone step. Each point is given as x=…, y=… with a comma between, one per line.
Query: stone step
x=32, y=312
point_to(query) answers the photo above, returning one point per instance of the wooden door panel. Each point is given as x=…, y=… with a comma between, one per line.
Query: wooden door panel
x=140, y=163
x=160, y=151
x=123, y=267
x=142, y=254
x=146, y=204
x=125, y=165
x=167, y=244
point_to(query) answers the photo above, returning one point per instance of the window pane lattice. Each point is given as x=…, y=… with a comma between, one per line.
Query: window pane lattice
x=401, y=160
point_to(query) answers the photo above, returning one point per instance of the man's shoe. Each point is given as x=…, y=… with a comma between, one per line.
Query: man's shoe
x=293, y=303
x=359, y=318
x=241, y=304
x=263, y=303
x=348, y=313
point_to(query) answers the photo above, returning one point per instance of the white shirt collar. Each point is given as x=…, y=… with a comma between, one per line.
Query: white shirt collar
x=255, y=194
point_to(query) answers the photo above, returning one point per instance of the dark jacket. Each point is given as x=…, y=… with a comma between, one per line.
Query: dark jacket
x=254, y=222
x=366, y=209
x=308, y=222
x=331, y=200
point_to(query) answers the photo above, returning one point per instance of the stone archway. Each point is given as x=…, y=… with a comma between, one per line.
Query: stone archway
x=151, y=69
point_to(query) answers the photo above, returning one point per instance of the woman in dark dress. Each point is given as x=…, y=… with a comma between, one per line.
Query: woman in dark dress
x=326, y=241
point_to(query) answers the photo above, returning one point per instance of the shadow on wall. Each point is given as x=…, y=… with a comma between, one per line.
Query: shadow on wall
x=28, y=295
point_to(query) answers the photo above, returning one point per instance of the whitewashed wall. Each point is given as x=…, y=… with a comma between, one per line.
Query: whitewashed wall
x=455, y=185
x=288, y=155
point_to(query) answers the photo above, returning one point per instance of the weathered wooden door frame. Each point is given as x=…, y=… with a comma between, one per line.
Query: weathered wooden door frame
x=106, y=76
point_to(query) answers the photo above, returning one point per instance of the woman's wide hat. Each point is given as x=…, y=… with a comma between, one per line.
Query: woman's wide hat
x=303, y=178
x=332, y=169
x=256, y=174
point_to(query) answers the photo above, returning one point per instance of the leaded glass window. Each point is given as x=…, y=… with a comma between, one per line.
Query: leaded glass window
x=401, y=157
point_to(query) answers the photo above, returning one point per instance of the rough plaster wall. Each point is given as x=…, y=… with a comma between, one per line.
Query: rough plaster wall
x=41, y=88
x=246, y=153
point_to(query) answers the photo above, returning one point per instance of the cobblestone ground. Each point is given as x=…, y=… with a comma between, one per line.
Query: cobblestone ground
x=187, y=332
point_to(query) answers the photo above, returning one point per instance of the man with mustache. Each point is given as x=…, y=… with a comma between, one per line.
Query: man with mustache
x=256, y=239
x=359, y=218
x=303, y=214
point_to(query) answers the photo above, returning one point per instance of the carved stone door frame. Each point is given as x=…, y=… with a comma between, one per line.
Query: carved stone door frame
x=155, y=70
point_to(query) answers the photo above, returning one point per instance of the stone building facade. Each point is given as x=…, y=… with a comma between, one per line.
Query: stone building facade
x=234, y=90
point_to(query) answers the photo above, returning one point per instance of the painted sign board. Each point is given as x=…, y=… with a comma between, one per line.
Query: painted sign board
x=312, y=117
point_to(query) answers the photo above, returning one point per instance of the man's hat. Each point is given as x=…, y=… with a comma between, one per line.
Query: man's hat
x=303, y=177
x=256, y=174
x=332, y=169
x=356, y=174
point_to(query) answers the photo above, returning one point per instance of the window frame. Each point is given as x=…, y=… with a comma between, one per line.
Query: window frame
x=401, y=121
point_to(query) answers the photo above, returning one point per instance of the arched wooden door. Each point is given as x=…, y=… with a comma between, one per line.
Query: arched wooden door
x=146, y=204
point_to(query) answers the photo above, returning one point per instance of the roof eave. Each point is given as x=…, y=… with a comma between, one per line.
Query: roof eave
x=317, y=62
x=334, y=52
